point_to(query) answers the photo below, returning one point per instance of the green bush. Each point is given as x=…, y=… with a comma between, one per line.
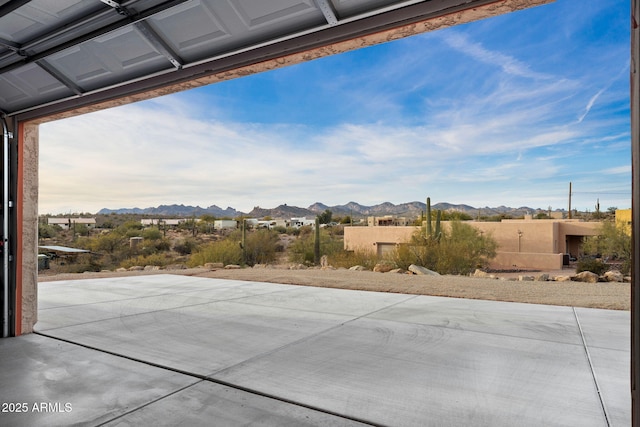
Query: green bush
x=185, y=246
x=46, y=231
x=613, y=242
x=348, y=259
x=143, y=260
x=152, y=233
x=594, y=265
x=226, y=251
x=261, y=247
x=460, y=250
x=302, y=249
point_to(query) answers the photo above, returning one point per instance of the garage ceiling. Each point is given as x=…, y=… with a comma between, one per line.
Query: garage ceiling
x=57, y=55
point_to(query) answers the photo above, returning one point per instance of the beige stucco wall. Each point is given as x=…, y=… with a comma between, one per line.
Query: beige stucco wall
x=527, y=260
x=366, y=238
x=521, y=243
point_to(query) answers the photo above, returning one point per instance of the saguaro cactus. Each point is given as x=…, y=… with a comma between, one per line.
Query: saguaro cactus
x=428, y=218
x=438, y=232
x=431, y=235
x=316, y=243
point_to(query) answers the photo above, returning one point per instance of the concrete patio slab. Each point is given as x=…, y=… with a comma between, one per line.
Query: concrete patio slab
x=59, y=384
x=208, y=404
x=247, y=353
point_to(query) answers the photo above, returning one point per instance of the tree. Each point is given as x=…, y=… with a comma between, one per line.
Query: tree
x=612, y=243
x=325, y=217
x=460, y=250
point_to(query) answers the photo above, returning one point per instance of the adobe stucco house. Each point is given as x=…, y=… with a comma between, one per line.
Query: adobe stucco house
x=534, y=244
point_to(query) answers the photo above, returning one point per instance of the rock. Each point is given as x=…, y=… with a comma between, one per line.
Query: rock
x=176, y=267
x=136, y=268
x=627, y=279
x=382, y=267
x=562, y=278
x=298, y=267
x=586, y=277
x=213, y=265
x=525, y=278
x=416, y=269
x=398, y=270
x=480, y=273
x=324, y=261
x=151, y=268
x=483, y=274
x=613, y=276
x=544, y=277
x=121, y=269
x=357, y=268
x=232, y=267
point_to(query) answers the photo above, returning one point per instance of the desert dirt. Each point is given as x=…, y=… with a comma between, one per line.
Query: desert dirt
x=614, y=296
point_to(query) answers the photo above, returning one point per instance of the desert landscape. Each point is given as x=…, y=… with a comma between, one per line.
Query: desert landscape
x=505, y=287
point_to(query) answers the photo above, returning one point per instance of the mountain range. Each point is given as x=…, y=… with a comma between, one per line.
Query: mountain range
x=352, y=208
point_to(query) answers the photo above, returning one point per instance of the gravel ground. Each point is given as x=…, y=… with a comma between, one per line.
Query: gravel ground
x=615, y=296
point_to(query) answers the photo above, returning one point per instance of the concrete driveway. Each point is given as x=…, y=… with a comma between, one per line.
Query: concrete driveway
x=178, y=350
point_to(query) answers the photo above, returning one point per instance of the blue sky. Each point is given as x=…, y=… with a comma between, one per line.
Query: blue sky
x=504, y=111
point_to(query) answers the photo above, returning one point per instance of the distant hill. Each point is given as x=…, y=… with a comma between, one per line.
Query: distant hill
x=175, y=211
x=352, y=208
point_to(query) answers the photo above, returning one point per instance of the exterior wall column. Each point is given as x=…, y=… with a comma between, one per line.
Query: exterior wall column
x=635, y=211
x=27, y=239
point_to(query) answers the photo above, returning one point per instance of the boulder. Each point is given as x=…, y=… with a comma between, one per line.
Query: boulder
x=232, y=267
x=562, y=278
x=416, y=269
x=151, y=267
x=586, y=277
x=544, y=277
x=357, y=268
x=298, y=267
x=213, y=265
x=383, y=267
x=136, y=268
x=613, y=276
x=398, y=270
x=324, y=261
x=480, y=273
x=176, y=267
x=121, y=269
x=525, y=278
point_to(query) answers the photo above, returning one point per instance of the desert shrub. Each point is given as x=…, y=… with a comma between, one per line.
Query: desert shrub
x=105, y=243
x=613, y=243
x=348, y=259
x=142, y=260
x=226, y=251
x=261, y=247
x=460, y=250
x=82, y=263
x=594, y=265
x=152, y=233
x=185, y=246
x=158, y=245
x=46, y=231
x=301, y=250
x=130, y=229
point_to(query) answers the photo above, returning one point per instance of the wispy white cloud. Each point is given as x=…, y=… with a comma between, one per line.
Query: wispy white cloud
x=595, y=97
x=508, y=64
